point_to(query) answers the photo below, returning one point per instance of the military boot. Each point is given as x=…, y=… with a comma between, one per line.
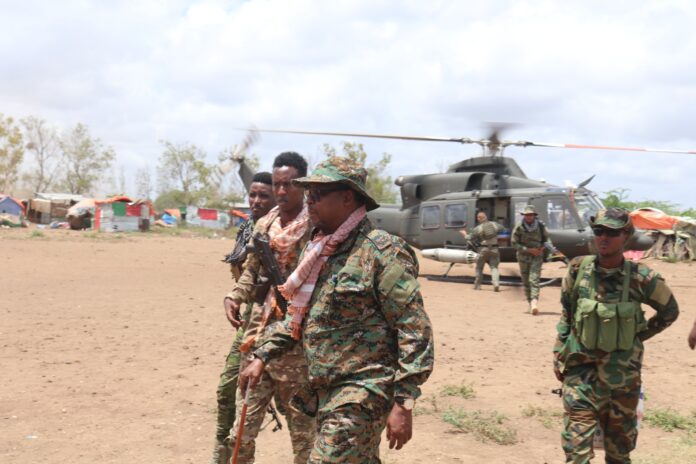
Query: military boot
x=221, y=454
x=534, y=306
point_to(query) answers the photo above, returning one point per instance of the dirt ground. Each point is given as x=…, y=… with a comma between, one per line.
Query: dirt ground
x=112, y=346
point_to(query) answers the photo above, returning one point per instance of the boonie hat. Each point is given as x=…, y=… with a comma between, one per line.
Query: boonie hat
x=529, y=209
x=612, y=218
x=342, y=170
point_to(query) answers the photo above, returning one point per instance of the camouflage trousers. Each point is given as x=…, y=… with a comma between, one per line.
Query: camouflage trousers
x=350, y=433
x=490, y=256
x=530, y=272
x=226, y=391
x=281, y=378
x=588, y=401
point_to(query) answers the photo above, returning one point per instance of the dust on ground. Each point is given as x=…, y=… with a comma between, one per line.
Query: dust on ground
x=112, y=346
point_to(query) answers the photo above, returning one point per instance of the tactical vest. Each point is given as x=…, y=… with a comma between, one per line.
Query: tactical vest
x=488, y=233
x=533, y=238
x=606, y=326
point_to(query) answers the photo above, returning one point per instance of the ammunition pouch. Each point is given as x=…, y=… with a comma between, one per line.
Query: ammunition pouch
x=608, y=326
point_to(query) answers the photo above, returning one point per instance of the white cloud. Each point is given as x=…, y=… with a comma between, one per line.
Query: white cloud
x=135, y=72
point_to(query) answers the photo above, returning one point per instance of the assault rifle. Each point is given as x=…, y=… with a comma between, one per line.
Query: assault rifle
x=261, y=246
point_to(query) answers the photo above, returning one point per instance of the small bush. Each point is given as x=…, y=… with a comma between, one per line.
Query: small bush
x=549, y=419
x=670, y=420
x=37, y=234
x=484, y=426
x=463, y=391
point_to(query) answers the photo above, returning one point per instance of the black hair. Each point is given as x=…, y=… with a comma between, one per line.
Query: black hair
x=263, y=177
x=293, y=160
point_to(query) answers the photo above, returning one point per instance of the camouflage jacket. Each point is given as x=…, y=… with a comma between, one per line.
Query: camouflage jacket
x=486, y=233
x=647, y=286
x=245, y=288
x=523, y=239
x=366, y=330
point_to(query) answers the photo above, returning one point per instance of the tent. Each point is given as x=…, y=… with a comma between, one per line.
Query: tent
x=652, y=219
x=47, y=207
x=674, y=237
x=11, y=211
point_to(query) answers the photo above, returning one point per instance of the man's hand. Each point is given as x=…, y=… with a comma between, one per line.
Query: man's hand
x=692, y=337
x=535, y=251
x=251, y=374
x=399, y=426
x=232, y=312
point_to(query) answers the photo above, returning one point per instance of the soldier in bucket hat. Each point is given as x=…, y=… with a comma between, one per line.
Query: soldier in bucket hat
x=530, y=238
x=356, y=307
x=599, y=349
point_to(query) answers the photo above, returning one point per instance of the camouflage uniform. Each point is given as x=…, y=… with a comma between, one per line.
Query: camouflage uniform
x=366, y=337
x=282, y=378
x=486, y=234
x=599, y=386
x=530, y=266
x=230, y=374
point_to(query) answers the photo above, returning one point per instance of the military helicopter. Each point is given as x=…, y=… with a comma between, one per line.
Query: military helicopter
x=435, y=208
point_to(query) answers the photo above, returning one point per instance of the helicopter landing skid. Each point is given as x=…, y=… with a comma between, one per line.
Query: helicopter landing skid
x=507, y=281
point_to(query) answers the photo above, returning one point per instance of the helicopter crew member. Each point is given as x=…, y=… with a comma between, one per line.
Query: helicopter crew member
x=260, y=202
x=357, y=310
x=287, y=226
x=530, y=238
x=599, y=350
x=485, y=235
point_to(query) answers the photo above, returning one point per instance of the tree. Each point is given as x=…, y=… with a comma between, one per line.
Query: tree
x=11, y=153
x=619, y=198
x=143, y=183
x=42, y=141
x=85, y=159
x=379, y=185
x=182, y=167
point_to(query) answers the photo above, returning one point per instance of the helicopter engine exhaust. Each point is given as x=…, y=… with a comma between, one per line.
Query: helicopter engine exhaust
x=450, y=255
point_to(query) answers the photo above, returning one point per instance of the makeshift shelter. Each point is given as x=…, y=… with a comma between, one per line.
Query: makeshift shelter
x=121, y=214
x=80, y=214
x=11, y=211
x=47, y=207
x=208, y=218
x=674, y=237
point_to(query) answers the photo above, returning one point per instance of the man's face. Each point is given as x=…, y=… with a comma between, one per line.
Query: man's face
x=529, y=218
x=481, y=217
x=609, y=242
x=327, y=205
x=260, y=199
x=287, y=196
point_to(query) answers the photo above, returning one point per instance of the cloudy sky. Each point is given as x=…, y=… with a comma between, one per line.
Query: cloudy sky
x=587, y=72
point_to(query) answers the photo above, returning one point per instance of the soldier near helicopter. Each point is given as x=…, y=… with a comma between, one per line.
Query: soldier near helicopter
x=357, y=310
x=261, y=201
x=484, y=237
x=599, y=350
x=530, y=238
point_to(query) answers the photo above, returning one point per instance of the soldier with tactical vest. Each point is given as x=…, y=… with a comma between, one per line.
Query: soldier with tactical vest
x=599, y=350
x=485, y=239
x=530, y=238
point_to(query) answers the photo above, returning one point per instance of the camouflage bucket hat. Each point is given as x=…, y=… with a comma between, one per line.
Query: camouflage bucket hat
x=529, y=209
x=337, y=169
x=612, y=218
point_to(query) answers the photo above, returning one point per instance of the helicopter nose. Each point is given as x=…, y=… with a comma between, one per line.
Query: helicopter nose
x=641, y=241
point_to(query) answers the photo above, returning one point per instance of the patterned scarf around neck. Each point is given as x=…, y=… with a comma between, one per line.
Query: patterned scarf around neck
x=530, y=227
x=300, y=285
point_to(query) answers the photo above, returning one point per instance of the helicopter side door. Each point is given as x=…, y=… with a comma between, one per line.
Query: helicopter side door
x=442, y=221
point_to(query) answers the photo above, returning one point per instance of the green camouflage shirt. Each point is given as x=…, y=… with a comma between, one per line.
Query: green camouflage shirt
x=620, y=366
x=366, y=330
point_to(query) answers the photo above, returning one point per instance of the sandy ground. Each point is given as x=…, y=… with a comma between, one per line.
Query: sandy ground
x=112, y=346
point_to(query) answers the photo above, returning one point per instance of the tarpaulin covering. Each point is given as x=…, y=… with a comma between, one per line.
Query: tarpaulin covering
x=652, y=219
x=176, y=212
x=119, y=208
x=134, y=210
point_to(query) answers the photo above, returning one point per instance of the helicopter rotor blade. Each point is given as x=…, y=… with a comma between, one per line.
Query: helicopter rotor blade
x=375, y=136
x=603, y=147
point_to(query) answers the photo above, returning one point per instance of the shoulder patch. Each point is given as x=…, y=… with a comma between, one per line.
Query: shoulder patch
x=380, y=238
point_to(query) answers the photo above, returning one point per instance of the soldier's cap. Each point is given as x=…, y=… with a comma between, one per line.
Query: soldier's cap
x=529, y=209
x=342, y=170
x=612, y=218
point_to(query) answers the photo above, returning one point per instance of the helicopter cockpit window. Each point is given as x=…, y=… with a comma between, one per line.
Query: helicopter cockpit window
x=587, y=206
x=430, y=217
x=559, y=214
x=455, y=216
